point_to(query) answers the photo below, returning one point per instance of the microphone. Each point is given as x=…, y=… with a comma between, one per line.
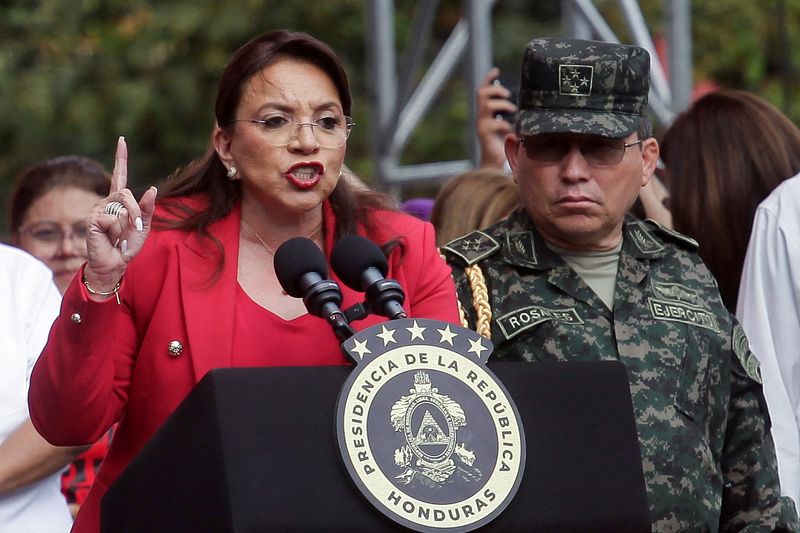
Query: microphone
x=361, y=265
x=301, y=270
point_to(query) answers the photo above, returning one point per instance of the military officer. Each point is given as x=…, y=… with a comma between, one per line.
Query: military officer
x=569, y=276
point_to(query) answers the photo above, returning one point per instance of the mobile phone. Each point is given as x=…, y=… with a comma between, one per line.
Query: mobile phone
x=513, y=87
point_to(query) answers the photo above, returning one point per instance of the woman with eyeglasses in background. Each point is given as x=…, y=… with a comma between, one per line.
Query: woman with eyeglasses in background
x=176, y=288
x=49, y=205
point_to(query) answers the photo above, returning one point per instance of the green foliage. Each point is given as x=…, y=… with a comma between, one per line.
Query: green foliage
x=736, y=44
x=75, y=75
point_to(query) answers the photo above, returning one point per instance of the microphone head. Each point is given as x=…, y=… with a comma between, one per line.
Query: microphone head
x=294, y=259
x=354, y=254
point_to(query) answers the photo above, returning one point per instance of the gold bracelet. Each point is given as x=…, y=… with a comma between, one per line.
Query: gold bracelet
x=114, y=291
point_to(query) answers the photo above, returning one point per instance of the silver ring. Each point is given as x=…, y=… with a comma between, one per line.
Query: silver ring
x=114, y=208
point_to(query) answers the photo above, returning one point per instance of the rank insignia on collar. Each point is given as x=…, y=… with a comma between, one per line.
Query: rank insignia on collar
x=521, y=248
x=426, y=431
x=644, y=241
x=575, y=80
x=473, y=247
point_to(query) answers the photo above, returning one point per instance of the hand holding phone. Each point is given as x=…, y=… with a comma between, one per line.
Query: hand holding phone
x=507, y=113
x=492, y=126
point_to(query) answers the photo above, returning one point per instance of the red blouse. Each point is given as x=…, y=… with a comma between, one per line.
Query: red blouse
x=262, y=338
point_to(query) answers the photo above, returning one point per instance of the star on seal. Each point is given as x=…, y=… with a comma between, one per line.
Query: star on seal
x=387, y=335
x=416, y=331
x=360, y=348
x=447, y=335
x=477, y=347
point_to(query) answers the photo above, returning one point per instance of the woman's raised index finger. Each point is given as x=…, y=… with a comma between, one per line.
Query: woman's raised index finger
x=119, y=178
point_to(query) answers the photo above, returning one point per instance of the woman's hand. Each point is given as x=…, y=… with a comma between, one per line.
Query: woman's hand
x=112, y=241
x=493, y=100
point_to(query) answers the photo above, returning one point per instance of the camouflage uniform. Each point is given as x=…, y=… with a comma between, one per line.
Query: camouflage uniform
x=707, y=456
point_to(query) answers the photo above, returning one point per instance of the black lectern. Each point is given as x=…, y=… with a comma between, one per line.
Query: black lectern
x=253, y=450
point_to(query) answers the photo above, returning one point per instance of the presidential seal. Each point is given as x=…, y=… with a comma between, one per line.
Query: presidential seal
x=426, y=431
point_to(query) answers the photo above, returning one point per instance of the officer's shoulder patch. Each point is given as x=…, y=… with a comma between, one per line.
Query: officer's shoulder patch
x=674, y=236
x=473, y=247
x=746, y=358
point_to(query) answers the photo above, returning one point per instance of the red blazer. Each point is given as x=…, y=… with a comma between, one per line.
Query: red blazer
x=105, y=362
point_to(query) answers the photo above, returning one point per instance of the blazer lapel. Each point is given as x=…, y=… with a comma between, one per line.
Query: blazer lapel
x=209, y=308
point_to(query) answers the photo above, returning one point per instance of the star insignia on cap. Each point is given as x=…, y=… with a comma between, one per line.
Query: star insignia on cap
x=447, y=335
x=477, y=347
x=416, y=331
x=575, y=80
x=360, y=347
x=387, y=335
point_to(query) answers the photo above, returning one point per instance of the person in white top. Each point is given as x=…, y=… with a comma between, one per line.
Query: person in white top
x=769, y=309
x=30, y=495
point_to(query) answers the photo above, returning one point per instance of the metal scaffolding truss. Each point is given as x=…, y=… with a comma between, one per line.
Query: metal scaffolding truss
x=398, y=106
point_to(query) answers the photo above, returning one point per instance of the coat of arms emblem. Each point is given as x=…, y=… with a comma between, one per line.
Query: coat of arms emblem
x=429, y=421
x=427, y=433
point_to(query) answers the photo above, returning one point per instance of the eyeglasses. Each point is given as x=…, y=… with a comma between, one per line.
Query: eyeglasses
x=279, y=130
x=50, y=233
x=597, y=151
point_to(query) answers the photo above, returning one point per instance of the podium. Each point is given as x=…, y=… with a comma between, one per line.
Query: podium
x=254, y=449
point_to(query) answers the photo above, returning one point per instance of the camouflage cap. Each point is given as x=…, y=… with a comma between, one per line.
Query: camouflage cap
x=575, y=86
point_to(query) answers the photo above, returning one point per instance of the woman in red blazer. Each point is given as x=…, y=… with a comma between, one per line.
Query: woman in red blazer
x=174, y=289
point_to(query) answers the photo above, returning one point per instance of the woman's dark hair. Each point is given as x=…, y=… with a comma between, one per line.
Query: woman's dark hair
x=723, y=156
x=207, y=174
x=39, y=179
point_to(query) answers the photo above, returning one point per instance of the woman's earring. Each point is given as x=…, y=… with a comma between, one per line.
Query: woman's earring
x=232, y=173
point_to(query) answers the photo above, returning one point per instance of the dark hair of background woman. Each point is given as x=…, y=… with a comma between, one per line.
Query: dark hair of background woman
x=207, y=174
x=723, y=156
x=39, y=179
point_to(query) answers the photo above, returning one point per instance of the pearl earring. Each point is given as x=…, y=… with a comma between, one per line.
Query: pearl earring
x=232, y=173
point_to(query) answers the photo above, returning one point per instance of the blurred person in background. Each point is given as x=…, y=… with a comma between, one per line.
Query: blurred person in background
x=136, y=328
x=769, y=308
x=493, y=108
x=494, y=117
x=30, y=496
x=471, y=201
x=723, y=156
x=653, y=200
x=49, y=205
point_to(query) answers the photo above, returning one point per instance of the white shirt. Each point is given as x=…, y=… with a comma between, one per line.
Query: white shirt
x=29, y=302
x=769, y=309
